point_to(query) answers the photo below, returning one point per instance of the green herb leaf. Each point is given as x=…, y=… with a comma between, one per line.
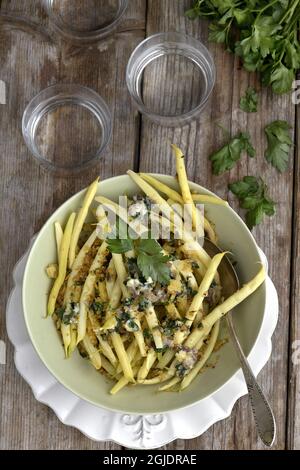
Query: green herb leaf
x=98, y=307
x=246, y=187
x=282, y=79
x=132, y=325
x=217, y=32
x=128, y=301
x=225, y=158
x=149, y=246
x=265, y=35
x=181, y=370
x=279, y=144
x=66, y=314
x=154, y=266
x=147, y=334
x=143, y=304
x=60, y=312
x=116, y=245
x=253, y=196
x=151, y=262
x=161, y=350
x=292, y=57
x=248, y=103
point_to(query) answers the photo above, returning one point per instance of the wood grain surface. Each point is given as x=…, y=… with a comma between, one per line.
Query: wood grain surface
x=31, y=58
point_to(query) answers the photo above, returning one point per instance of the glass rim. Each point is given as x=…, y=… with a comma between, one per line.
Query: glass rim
x=190, y=44
x=73, y=34
x=44, y=102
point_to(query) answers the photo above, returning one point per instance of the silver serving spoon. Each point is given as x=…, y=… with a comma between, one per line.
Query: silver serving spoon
x=262, y=412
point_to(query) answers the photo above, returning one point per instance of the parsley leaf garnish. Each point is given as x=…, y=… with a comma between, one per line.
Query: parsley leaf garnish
x=154, y=266
x=248, y=103
x=225, y=158
x=119, y=241
x=253, y=196
x=117, y=245
x=149, y=246
x=279, y=144
x=150, y=259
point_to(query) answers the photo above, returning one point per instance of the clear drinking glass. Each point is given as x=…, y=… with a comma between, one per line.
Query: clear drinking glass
x=170, y=77
x=67, y=128
x=85, y=21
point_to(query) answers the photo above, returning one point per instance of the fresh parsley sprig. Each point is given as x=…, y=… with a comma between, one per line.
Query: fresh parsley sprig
x=225, y=158
x=119, y=245
x=150, y=259
x=249, y=101
x=253, y=196
x=279, y=144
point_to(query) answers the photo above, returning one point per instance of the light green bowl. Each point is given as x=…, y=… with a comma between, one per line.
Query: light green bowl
x=78, y=374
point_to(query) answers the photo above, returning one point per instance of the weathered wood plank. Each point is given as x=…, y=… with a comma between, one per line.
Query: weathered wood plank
x=28, y=63
x=293, y=425
x=197, y=141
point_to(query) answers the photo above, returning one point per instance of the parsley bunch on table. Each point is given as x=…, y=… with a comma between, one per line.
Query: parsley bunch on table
x=263, y=33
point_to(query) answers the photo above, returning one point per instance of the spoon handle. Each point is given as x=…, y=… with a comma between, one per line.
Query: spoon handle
x=262, y=412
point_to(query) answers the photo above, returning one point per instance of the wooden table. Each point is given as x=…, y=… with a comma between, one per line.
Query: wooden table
x=30, y=61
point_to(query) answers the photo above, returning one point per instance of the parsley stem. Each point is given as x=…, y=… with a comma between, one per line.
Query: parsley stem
x=263, y=9
x=290, y=10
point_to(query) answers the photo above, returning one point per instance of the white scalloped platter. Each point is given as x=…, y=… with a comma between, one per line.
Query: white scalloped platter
x=131, y=431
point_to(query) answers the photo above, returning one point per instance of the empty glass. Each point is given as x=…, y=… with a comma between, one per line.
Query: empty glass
x=67, y=128
x=85, y=21
x=170, y=77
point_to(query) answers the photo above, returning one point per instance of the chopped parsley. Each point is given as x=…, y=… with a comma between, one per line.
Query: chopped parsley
x=132, y=325
x=147, y=334
x=161, y=350
x=98, y=307
x=66, y=315
x=190, y=292
x=60, y=312
x=249, y=102
x=169, y=326
x=143, y=304
x=181, y=370
x=123, y=316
